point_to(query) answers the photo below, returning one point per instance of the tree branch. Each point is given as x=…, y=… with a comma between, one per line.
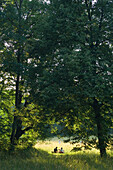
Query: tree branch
x=16, y=4
x=20, y=132
x=90, y=19
x=100, y=23
x=88, y=10
x=101, y=19
x=26, y=129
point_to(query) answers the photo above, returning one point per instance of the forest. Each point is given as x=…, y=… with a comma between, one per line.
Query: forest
x=56, y=72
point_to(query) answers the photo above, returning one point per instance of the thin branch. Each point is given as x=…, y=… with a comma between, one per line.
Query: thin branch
x=20, y=132
x=26, y=129
x=88, y=10
x=29, y=13
x=100, y=24
x=16, y=4
x=101, y=19
x=21, y=1
x=12, y=22
x=90, y=19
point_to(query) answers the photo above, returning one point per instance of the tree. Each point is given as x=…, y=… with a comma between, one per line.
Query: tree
x=17, y=21
x=77, y=80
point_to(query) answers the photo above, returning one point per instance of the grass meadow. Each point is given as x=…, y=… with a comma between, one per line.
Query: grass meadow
x=40, y=157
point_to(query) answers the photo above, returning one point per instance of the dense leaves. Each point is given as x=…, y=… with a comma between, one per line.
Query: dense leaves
x=56, y=65
x=77, y=80
x=25, y=120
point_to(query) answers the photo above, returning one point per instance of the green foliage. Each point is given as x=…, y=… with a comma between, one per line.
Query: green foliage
x=6, y=118
x=77, y=82
x=25, y=120
x=56, y=65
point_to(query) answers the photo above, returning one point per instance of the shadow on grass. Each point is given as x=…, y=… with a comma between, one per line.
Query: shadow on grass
x=29, y=159
x=33, y=159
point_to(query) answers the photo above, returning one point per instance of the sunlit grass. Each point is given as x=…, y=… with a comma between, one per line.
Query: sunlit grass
x=41, y=158
x=50, y=145
x=83, y=160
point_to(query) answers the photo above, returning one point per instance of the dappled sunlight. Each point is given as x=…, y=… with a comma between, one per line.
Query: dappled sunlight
x=86, y=159
x=50, y=145
x=43, y=159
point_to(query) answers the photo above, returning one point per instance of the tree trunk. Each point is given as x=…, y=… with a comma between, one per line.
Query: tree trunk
x=16, y=122
x=101, y=138
x=100, y=128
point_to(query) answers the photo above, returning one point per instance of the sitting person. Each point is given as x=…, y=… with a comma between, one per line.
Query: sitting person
x=55, y=150
x=61, y=150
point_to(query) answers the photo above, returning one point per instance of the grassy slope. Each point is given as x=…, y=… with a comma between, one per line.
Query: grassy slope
x=41, y=158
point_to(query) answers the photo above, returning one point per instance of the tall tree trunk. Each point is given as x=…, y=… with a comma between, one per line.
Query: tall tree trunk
x=17, y=123
x=100, y=128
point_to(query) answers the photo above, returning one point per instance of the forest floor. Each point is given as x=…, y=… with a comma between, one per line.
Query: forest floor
x=40, y=157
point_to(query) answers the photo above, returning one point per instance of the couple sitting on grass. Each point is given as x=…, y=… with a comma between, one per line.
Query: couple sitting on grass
x=58, y=151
